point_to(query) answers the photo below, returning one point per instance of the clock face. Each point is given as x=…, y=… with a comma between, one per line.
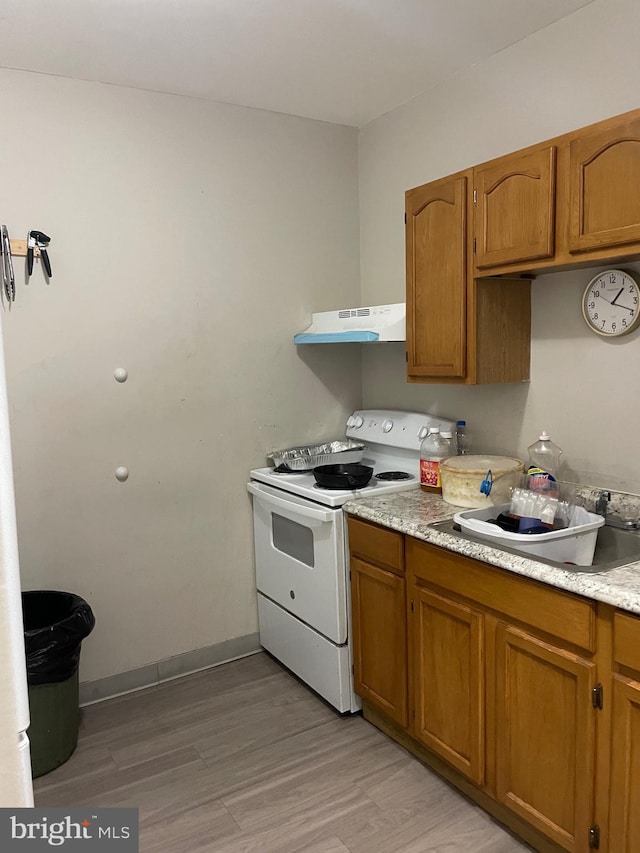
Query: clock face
x=610, y=303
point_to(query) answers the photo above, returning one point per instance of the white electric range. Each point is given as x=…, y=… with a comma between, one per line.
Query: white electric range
x=301, y=550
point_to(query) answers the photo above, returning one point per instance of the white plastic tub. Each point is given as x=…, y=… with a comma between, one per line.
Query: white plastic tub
x=575, y=544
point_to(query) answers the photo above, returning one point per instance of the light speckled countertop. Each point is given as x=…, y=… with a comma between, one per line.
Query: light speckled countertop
x=413, y=512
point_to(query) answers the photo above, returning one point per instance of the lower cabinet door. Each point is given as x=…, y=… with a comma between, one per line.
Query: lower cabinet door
x=624, y=818
x=379, y=610
x=545, y=736
x=448, y=679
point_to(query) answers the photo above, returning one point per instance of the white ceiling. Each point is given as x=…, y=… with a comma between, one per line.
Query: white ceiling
x=345, y=61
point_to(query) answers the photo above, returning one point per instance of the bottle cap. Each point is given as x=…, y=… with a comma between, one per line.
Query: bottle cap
x=461, y=423
x=446, y=434
x=433, y=430
x=544, y=435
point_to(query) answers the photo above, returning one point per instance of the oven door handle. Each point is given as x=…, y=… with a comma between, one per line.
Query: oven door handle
x=289, y=507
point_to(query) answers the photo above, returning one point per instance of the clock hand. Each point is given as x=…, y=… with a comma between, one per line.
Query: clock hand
x=615, y=298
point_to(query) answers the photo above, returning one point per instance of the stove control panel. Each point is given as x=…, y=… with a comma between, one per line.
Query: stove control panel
x=393, y=428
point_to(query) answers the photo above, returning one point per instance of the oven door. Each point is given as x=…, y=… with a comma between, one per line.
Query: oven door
x=300, y=558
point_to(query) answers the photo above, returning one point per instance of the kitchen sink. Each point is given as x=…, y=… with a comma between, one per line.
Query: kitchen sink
x=614, y=547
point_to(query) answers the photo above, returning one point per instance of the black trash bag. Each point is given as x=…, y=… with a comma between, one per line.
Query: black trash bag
x=55, y=624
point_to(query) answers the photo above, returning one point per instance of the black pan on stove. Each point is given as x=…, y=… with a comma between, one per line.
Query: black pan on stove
x=347, y=476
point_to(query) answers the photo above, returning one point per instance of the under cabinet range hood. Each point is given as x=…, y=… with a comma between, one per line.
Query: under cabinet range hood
x=376, y=323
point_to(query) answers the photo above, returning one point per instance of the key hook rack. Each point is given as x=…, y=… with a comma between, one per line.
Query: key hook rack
x=19, y=249
x=35, y=246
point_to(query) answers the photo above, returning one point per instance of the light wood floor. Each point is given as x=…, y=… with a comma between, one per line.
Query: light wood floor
x=245, y=759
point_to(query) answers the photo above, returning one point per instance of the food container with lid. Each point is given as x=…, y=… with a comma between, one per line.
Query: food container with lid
x=479, y=481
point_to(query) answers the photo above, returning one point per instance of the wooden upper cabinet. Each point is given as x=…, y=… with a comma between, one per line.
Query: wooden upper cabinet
x=436, y=245
x=604, y=180
x=475, y=237
x=514, y=207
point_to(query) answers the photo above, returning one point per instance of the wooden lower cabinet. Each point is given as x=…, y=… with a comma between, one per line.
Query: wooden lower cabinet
x=525, y=697
x=624, y=817
x=498, y=695
x=379, y=620
x=447, y=680
x=380, y=638
x=625, y=767
x=545, y=735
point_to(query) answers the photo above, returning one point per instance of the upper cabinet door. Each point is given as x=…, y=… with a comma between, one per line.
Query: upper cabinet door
x=436, y=244
x=515, y=203
x=604, y=177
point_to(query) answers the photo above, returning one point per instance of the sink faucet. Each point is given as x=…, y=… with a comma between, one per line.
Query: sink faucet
x=602, y=507
x=602, y=503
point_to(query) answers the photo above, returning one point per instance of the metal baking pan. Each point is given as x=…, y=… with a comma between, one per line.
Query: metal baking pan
x=307, y=458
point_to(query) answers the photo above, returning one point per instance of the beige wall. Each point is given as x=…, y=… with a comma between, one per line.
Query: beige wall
x=583, y=389
x=190, y=241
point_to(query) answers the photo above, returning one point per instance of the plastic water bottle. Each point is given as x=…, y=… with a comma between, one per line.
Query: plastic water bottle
x=544, y=464
x=463, y=440
x=432, y=450
x=449, y=441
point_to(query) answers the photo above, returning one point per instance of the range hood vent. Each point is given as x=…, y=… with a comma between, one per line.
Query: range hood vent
x=353, y=312
x=377, y=323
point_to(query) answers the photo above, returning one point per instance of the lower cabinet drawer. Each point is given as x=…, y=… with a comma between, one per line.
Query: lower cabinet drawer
x=377, y=545
x=626, y=640
x=559, y=614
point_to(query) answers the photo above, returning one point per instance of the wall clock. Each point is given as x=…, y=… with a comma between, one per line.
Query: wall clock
x=610, y=305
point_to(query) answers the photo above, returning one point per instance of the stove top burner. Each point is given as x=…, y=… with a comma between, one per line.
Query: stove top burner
x=393, y=475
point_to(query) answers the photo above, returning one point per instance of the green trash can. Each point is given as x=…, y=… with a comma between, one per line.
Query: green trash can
x=55, y=623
